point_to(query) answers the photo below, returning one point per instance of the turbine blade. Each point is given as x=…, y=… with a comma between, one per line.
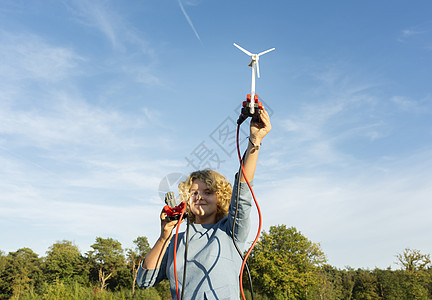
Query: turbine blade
x=264, y=52
x=257, y=66
x=244, y=50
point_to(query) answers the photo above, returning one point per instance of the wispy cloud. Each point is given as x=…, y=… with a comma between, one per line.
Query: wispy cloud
x=126, y=41
x=420, y=33
x=113, y=26
x=406, y=104
x=188, y=20
x=344, y=111
x=97, y=14
x=411, y=32
x=27, y=56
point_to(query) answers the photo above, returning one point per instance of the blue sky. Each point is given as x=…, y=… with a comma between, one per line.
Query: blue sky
x=102, y=101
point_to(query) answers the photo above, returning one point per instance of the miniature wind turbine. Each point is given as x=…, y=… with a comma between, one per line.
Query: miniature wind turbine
x=255, y=65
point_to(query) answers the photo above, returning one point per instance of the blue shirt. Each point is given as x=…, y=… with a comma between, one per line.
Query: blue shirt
x=213, y=263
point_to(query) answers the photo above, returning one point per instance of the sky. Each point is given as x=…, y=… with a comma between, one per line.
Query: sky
x=105, y=105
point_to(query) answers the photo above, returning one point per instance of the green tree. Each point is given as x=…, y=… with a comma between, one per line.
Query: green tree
x=64, y=263
x=413, y=260
x=415, y=280
x=4, y=284
x=415, y=284
x=285, y=264
x=365, y=285
x=332, y=287
x=22, y=272
x=163, y=289
x=107, y=255
x=348, y=282
x=136, y=255
x=388, y=284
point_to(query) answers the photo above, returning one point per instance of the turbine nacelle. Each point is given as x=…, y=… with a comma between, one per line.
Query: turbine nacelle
x=254, y=57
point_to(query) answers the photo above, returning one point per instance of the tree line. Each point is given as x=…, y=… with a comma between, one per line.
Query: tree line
x=284, y=265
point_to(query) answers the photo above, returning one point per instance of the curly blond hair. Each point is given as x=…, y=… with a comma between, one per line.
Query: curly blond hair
x=216, y=183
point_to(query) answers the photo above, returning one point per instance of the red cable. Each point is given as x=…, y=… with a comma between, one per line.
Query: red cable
x=259, y=218
x=175, y=253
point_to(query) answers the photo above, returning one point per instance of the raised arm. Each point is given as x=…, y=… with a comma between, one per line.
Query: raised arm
x=154, y=258
x=257, y=132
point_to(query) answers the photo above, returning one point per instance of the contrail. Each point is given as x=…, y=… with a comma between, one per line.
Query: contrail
x=189, y=20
